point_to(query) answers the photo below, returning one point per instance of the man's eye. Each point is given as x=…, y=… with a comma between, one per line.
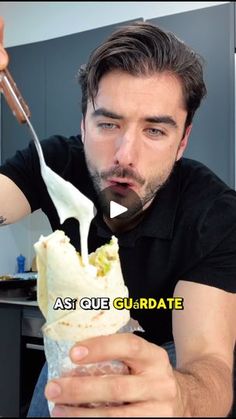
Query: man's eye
x=155, y=132
x=107, y=125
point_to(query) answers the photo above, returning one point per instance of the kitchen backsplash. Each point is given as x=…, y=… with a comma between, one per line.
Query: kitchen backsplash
x=19, y=238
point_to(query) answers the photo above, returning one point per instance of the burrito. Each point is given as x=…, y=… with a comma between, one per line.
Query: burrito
x=61, y=275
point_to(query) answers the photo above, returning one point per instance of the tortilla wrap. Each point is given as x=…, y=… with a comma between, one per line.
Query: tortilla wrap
x=61, y=274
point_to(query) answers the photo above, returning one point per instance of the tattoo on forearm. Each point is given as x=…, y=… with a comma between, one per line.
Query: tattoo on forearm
x=2, y=220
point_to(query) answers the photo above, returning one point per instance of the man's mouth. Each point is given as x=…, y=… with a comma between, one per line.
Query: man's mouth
x=123, y=182
x=120, y=185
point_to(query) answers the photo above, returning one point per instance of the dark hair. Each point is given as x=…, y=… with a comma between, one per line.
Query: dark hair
x=144, y=49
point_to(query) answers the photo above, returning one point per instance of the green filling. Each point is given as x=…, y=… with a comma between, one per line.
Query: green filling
x=102, y=258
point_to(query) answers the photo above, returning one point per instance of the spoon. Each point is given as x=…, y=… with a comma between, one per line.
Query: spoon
x=68, y=200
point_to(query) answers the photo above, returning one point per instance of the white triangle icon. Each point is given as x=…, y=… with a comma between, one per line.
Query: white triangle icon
x=116, y=209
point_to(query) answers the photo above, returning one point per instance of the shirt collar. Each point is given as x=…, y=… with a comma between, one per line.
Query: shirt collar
x=159, y=218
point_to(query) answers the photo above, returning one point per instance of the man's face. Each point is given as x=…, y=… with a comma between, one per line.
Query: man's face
x=135, y=133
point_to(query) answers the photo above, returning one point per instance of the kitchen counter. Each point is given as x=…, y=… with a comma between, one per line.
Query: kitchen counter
x=18, y=301
x=21, y=353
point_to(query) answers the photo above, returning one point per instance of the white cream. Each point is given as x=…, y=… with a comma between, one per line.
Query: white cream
x=68, y=200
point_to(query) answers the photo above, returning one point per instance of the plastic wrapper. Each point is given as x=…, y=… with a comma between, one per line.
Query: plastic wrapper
x=60, y=364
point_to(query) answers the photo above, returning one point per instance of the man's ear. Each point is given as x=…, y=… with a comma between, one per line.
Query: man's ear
x=82, y=130
x=184, y=142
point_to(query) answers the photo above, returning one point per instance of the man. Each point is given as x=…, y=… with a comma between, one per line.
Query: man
x=140, y=91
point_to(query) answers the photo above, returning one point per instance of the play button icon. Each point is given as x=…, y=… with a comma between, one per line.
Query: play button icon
x=116, y=209
x=119, y=203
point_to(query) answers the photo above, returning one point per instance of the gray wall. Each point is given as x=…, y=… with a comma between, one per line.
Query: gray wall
x=36, y=21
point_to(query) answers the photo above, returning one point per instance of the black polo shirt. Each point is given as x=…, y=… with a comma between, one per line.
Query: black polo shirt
x=188, y=233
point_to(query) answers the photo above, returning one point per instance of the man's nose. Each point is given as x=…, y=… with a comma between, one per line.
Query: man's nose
x=127, y=149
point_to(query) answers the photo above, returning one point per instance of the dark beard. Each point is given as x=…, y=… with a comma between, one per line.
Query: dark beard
x=133, y=202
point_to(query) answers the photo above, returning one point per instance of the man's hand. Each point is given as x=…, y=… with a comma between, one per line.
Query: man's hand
x=3, y=53
x=151, y=389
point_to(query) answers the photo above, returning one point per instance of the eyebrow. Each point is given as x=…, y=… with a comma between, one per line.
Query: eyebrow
x=105, y=112
x=163, y=119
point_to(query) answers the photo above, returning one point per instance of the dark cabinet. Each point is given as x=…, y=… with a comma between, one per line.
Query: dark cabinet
x=10, y=355
x=210, y=32
x=21, y=357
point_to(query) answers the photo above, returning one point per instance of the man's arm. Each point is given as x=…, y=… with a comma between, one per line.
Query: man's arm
x=204, y=334
x=13, y=203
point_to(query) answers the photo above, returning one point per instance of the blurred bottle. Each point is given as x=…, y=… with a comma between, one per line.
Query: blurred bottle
x=20, y=264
